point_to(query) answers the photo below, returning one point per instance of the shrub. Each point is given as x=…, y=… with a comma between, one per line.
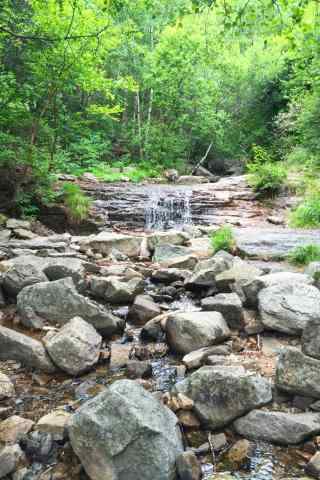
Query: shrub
x=307, y=214
x=76, y=202
x=267, y=178
x=223, y=239
x=305, y=254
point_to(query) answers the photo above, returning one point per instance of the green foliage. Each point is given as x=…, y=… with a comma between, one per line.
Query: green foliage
x=266, y=176
x=305, y=254
x=307, y=214
x=76, y=202
x=223, y=239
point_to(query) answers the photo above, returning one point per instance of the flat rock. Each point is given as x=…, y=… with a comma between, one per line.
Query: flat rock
x=121, y=425
x=115, y=290
x=297, y=373
x=105, y=242
x=221, y=394
x=273, y=243
x=24, y=349
x=187, y=332
x=55, y=423
x=241, y=271
x=75, y=348
x=170, y=275
x=289, y=307
x=58, y=302
x=164, y=238
x=278, y=427
x=14, y=223
x=197, y=358
x=163, y=253
x=143, y=310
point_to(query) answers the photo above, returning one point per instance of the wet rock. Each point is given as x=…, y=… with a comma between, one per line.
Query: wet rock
x=139, y=369
x=7, y=389
x=311, y=339
x=288, y=308
x=170, y=275
x=278, y=427
x=21, y=348
x=143, y=310
x=116, y=291
x=75, y=348
x=121, y=425
x=313, y=466
x=13, y=224
x=188, y=467
x=221, y=394
x=21, y=275
x=239, y=453
x=187, y=332
x=11, y=456
x=229, y=305
x=59, y=302
x=39, y=447
x=297, y=373
x=252, y=287
x=152, y=330
x=164, y=238
x=241, y=271
x=55, y=423
x=14, y=428
x=105, y=242
x=272, y=243
x=198, y=357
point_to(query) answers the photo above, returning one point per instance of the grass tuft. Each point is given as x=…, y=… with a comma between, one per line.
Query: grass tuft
x=223, y=239
x=305, y=254
x=76, y=202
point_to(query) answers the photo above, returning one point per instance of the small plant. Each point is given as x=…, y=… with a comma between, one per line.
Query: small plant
x=223, y=239
x=305, y=254
x=267, y=178
x=307, y=214
x=76, y=202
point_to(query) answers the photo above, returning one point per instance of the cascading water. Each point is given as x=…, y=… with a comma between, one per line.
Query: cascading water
x=166, y=209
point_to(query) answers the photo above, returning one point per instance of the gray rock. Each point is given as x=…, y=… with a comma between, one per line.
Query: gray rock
x=207, y=270
x=55, y=423
x=313, y=466
x=139, y=369
x=20, y=276
x=75, y=348
x=5, y=235
x=188, y=466
x=221, y=394
x=24, y=234
x=297, y=373
x=252, y=287
x=187, y=332
x=59, y=302
x=143, y=310
x=241, y=271
x=278, y=427
x=57, y=268
x=152, y=330
x=170, y=237
x=6, y=387
x=192, y=180
x=13, y=223
x=114, y=290
x=229, y=305
x=197, y=358
x=19, y=347
x=105, y=242
x=288, y=308
x=10, y=458
x=186, y=262
x=170, y=275
x=13, y=429
x=164, y=252
x=311, y=339
x=125, y=433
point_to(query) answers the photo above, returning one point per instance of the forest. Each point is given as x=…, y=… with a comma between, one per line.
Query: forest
x=101, y=85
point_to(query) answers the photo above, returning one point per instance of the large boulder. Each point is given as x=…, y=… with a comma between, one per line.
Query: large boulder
x=115, y=290
x=126, y=434
x=252, y=287
x=75, y=348
x=21, y=274
x=190, y=331
x=311, y=339
x=163, y=238
x=289, y=307
x=229, y=305
x=278, y=427
x=240, y=271
x=19, y=347
x=58, y=302
x=163, y=253
x=221, y=394
x=206, y=271
x=298, y=374
x=105, y=242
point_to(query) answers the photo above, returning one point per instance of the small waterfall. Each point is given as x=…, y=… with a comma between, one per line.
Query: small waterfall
x=166, y=209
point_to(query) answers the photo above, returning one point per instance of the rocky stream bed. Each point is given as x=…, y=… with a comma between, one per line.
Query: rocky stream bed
x=135, y=353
